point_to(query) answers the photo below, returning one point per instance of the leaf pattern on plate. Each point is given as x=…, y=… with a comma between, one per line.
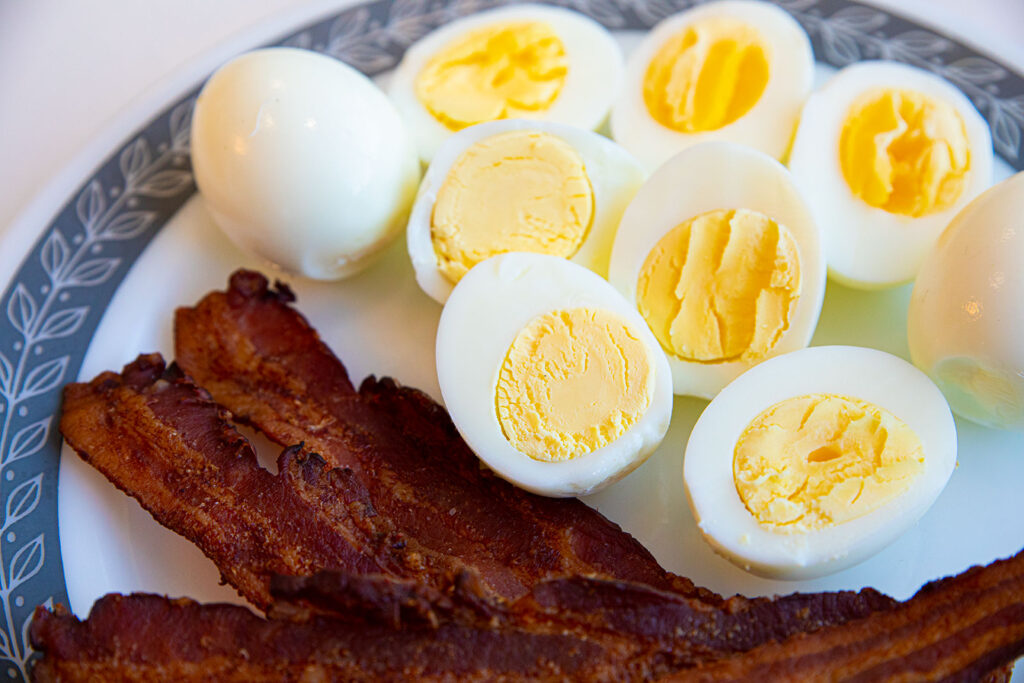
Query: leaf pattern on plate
x=51, y=307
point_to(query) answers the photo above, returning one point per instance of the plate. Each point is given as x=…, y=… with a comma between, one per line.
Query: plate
x=97, y=283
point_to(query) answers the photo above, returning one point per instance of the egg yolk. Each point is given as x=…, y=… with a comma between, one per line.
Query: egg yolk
x=572, y=382
x=707, y=76
x=904, y=152
x=722, y=286
x=517, y=191
x=508, y=70
x=814, y=461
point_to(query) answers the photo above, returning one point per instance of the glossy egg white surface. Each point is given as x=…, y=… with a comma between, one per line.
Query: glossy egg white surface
x=485, y=312
x=591, y=85
x=965, y=324
x=615, y=176
x=710, y=176
x=867, y=374
x=869, y=247
x=767, y=126
x=303, y=161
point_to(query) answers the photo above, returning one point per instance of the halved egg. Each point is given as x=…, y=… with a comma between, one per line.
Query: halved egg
x=551, y=377
x=523, y=61
x=814, y=461
x=887, y=154
x=518, y=185
x=719, y=253
x=735, y=70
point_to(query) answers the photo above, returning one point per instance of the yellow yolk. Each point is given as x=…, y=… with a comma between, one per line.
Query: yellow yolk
x=721, y=286
x=814, y=461
x=518, y=191
x=509, y=70
x=904, y=152
x=707, y=76
x=572, y=382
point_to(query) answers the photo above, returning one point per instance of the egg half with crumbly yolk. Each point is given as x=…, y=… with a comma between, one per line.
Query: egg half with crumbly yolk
x=735, y=70
x=887, y=154
x=522, y=61
x=551, y=377
x=719, y=253
x=518, y=185
x=815, y=460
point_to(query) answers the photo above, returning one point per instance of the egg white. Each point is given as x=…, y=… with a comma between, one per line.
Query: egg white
x=866, y=374
x=767, y=126
x=614, y=178
x=488, y=308
x=707, y=177
x=966, y=307
x=302, y=160
x=591, y=83
x=868, y=247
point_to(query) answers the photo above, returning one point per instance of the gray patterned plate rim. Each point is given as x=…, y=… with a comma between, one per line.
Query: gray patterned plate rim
x=59, y=291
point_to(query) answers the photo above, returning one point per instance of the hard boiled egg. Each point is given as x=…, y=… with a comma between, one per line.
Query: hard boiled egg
x=814, y=461
x=887, y=154
x=518, y=185
x=734, y=70
x=721, y=256
x=550, y=375
x=522, y=61
x=302, y=160
x=966, y=317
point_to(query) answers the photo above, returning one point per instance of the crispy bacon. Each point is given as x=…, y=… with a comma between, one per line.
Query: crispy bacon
x=675, y=631
x=160, y=439
x=958, y=629
x=261, y=359
x=150, y=638
x=955, y=629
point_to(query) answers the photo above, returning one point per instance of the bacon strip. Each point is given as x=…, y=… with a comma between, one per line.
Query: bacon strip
x=159, y=438
x=958, y=629
x=150, y=638
x=955, y=629
x=261, y=359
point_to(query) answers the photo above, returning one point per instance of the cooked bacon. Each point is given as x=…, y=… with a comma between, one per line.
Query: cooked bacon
x=160, y=439
x=261, y=359
x=955, y=629
x=150, y=638
x=958, y=629
x=670, y=630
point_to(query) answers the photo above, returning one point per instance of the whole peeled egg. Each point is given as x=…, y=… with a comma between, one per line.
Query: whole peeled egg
x=887, y=154
x=551, y=377
x=303, y=161
x=815, y=460
x=966, y=315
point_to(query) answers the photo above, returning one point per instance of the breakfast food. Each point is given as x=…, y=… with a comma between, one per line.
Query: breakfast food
x=524, y=61
x=398, y=614
x=550, y=375
x=255, y=354
x=518, y=185
x=887, y=154
x=815, y=460
x=721, y=256
x=735, y=70
x=965, y=317
x=967, y=627
x=303, y=161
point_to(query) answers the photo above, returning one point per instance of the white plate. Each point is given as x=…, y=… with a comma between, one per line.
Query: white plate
x=381, y=323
